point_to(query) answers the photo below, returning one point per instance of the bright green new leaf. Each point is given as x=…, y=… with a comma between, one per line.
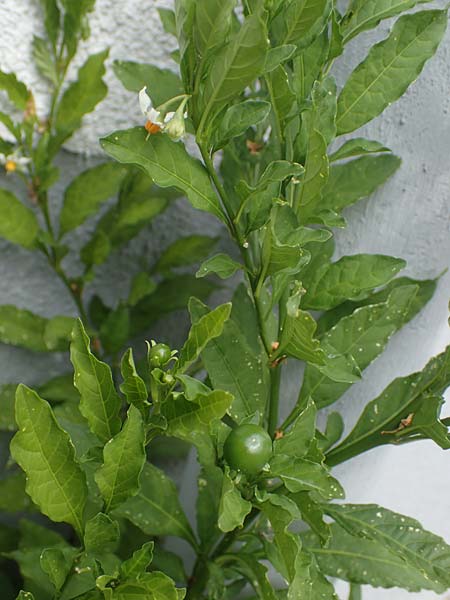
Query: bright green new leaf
x=381, y=421
x=201, y=333
x=390, y=67
x=237, y=119
x=167, y=163
x=133, y=385
x=138, y=563
x=221, y=265
x=101, y=534
x=232, y=508
x=351, y=277
x=235, y=66
x=25, y=596
x=55, y=481
x=363, y=15
x=57, y=565
x=162, y=84
x=234, y=367
x=123, y=461
x=156, y=509
x=100, y=404
x=185, y=251
x=81, y=97
x=357, y=147
x=18, y=223
x=87, y=192
x=364, y=334
x=403, y=536
x=17, y=91
x=364, y=561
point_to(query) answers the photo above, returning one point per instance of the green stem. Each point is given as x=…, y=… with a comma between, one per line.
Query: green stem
x=275, y=381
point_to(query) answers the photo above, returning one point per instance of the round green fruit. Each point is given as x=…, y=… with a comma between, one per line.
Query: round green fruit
x=248, y=448
x=159, y=355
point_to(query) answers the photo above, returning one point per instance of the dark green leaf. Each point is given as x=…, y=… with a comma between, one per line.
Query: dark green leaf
x=162, y=84
x=277, y=56
x=255, y=573
x=101, y=535
x=167, y=163
x=156, y=508
x=185, y=251
x=298, y=340
x=141, y=286
x=303, y=20
x=100, y=404
x=133, y=385
x=356, y=147
x=298, y=439
x=13, y=496
x=44, y=451
x=389, y=68
x=208, y=501
x=211, y=27
x=399, y=401
x=238, y=118
x=57, y=565
x=18, y=223
x=87, y=192
x=232, y=508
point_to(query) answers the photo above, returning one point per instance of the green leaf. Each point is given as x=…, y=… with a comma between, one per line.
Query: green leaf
x=390, y=67
x=364, y=561
x=208, y=501
x=100, y=404
x=21, y=327
x=278, y=55
x=56, y=564
x=156, y=586
x=71, y=420
x=297, y=339
x=221, y=265
x=233, y=366
x=324, y=99
x=235, y=66
x=185, y=251
x=18, y=223
x=255, y=573
x=13, y=497
x=302, y=475
x=362, y=15
x=43, y=60
x=201, y=333
x=357, y=147
x=138, y=563
x=312, y=513
x=355, y=592
x=403, y=536
x=51, y=20
x=351, y=277
x=167, y=163
x=141, y=286
x=333, y=431
x=123, y=461
x=237, y=119
x=162, y=84
x=232, y=508
x=156, y=508
x=115, y=330
x=308, y=64
x=212, y=24
x=303, y=20
x=87, y=192
x=401, y=399
x=101, y=535
x=282, y=96
x=55, y=482
x=297, y=441
x=25, y=596
x=167, y=17
x=17, y=91
x=133, y=385
x=364, y=334
x=81, y=97
x=7, y=401
x=316, y=167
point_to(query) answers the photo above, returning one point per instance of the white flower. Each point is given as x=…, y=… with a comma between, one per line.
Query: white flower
x=154, y=122
x=14, y=162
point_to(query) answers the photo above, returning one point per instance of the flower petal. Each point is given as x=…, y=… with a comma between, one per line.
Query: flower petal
x=144, y=101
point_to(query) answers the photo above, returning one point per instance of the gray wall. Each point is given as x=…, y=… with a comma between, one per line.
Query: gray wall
x=409, y=217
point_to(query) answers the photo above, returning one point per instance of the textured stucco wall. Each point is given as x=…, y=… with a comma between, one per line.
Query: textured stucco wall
x=409, y=217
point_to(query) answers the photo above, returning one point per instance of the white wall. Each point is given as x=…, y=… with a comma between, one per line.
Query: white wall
x=409, y=217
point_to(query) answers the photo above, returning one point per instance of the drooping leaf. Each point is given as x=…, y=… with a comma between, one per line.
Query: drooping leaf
x=389, y=68
x=232, y=366
x=232, y=508
x=18, y=223
x=363, y=334
x=81, y=97
x=87, y=191
x=351, y=277
x=203, y=330
x=364, y=561
x=100, y=404
x=403, y=536
x=56, y=482
x=399, y=401
x=221, y=265
x=162, y=84
x=156, y=509
x=123, y=461
x=167, y=163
